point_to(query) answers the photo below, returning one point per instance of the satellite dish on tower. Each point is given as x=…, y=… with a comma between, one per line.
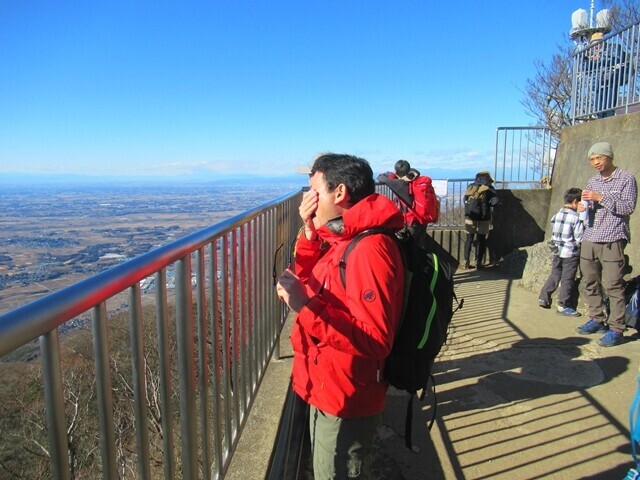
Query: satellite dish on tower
x=582, y=24
x=604, y=20
x=579, y=20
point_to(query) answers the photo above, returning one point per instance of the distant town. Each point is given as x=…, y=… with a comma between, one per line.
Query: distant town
x=53, y=235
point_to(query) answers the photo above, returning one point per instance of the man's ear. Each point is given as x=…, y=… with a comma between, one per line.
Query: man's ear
x=341, y=195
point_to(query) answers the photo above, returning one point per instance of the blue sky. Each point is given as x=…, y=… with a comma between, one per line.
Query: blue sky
x=221, y=87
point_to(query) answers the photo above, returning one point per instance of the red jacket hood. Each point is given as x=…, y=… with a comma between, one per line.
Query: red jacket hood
x=373, y=211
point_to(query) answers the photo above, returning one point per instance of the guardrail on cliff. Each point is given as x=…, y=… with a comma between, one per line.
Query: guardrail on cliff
x=222, y=344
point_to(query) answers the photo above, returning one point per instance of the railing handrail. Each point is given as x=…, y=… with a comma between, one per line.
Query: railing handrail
x=522, y=128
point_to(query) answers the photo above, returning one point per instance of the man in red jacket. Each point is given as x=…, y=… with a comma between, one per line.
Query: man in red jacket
x=343, y=332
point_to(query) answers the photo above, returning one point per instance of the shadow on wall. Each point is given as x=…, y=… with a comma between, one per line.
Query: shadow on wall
x=518, y=221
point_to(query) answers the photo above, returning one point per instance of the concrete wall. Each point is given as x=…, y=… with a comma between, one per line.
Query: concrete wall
x=519, y=221
x=572, y=168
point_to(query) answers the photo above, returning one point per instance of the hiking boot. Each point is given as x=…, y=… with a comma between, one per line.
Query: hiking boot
x=591, y=327
x=567, y=312
x=544, y=303
x=611, y=338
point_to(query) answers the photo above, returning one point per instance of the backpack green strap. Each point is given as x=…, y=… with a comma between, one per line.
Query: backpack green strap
x=434, y=305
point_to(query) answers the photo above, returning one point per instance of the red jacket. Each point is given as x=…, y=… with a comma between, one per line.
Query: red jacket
x=341, y=338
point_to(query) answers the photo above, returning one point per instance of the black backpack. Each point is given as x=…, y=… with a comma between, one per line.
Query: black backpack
x=475, y=204
x=426, y=314
x=631, y=297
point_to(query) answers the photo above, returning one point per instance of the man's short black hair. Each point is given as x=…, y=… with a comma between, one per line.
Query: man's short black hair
x=572, y=194
x=402, y=168
x=354, y=172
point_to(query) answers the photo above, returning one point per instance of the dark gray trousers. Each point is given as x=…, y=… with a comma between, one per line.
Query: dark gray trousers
x=603, y=267
x=563, y=273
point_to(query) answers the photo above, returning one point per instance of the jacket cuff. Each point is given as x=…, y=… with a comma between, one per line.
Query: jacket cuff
x=308, y=244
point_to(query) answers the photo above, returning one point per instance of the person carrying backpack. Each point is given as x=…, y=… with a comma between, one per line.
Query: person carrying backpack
x=418, y=201
x=343, y=331
x=479, y=198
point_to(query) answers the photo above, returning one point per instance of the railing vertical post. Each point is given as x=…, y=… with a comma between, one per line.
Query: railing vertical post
x=186, y=368
x=265, y=293
x=54, y=400
x=535, y=151
x=203, y=362
x=226, y=341
x=252, y=295
x=278, y=222
x=216, y=373
x=263, y=287
x=103, y=391
x=495, y=161
x=546, y=173
x=138, y=361
x=574, y=90
x=234, y=320
x=243, y=319
x=276, y=234
x=164, y=357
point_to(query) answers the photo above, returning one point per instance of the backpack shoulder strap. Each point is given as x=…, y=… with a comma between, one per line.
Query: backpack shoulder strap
x=408, y=419
x=352, y=245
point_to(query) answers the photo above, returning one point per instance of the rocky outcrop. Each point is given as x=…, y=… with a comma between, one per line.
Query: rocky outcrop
x=530, y=265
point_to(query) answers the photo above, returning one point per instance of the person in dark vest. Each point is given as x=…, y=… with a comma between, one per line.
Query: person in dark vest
x=479, y=198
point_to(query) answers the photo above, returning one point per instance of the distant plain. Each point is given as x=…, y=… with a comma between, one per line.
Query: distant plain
x=54, y=235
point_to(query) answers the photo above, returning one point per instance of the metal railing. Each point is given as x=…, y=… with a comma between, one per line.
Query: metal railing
x=222, y=344
x=524, y=157
x=606, y=78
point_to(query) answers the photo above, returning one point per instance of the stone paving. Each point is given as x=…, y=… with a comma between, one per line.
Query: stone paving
x=520, y=396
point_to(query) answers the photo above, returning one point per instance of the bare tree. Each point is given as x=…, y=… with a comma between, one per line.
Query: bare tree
x=25, y=452
x=624, y=12
x=548, y=94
